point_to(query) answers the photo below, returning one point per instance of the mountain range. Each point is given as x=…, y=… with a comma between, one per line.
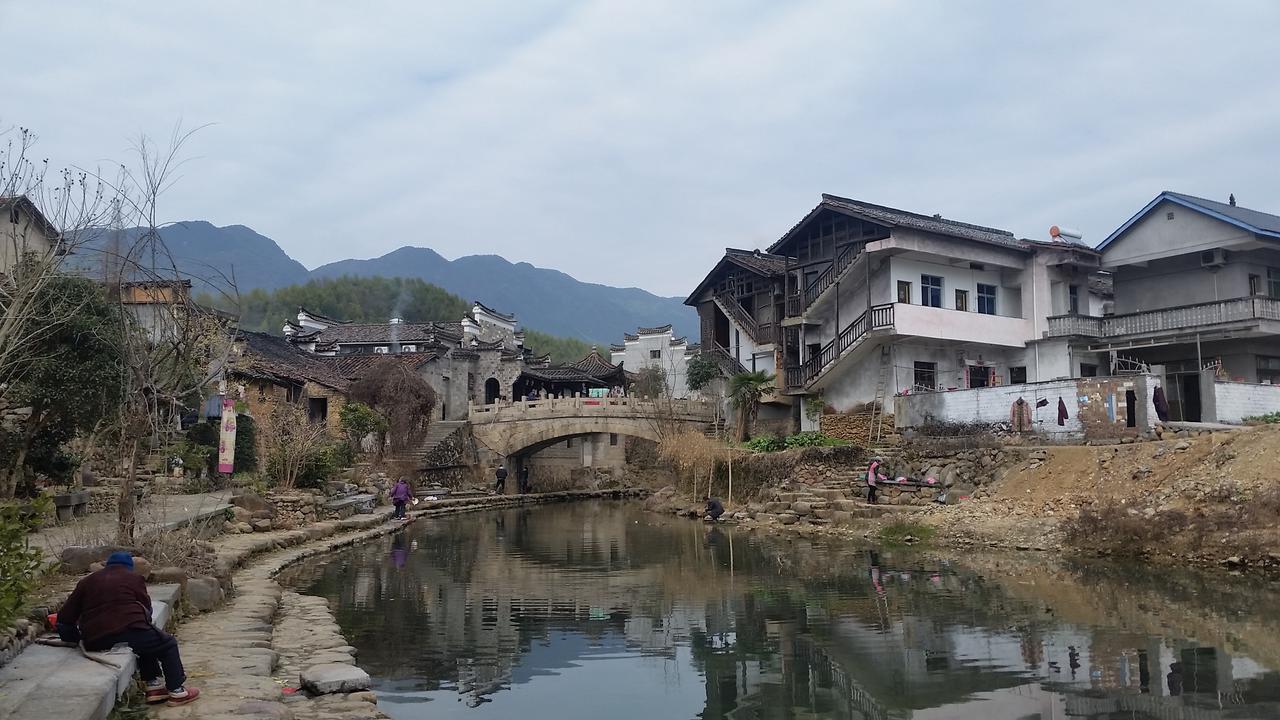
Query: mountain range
x=541, y=298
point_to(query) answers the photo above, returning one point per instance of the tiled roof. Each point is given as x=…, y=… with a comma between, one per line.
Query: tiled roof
x=893, y=217
x=274, y=358
x=764, y=263
x=617, y=348
x=628, y=337
x=25, y=203
x=381, y=333
x=562, y=374
x=495, y=313
x=595, y=364
x=654, y=330
x=1254, y=221
x=355, y=367
x=760, y=263
x=321, y=318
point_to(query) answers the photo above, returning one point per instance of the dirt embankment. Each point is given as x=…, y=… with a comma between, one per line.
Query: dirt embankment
x=1210, y=498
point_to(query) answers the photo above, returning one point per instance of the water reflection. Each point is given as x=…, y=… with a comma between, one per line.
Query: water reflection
x=601, y=610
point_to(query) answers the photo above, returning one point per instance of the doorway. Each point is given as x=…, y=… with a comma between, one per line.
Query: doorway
x=1130, y=408
x=491, y=390
x=318, y=409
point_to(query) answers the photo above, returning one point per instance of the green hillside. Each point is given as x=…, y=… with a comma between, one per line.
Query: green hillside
x=375, y=300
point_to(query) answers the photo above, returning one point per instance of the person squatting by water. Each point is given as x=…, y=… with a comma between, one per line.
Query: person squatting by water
x=401, y=494
x=112, y=606
x=874, y=478
x=500, y=484
x=714, y=508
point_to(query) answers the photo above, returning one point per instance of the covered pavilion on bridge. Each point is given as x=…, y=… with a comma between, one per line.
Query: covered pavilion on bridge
x=592, y=372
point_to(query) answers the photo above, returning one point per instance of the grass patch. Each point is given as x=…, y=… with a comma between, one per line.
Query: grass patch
x=906, y=533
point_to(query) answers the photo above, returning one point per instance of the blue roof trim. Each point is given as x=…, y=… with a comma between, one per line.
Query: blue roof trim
x=1184, y=202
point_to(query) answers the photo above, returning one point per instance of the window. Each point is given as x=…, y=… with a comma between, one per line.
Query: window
x=1073, y=299
x=904, y=292
x=613, y=438
x=1017, y=375
x=1273, y=283
x=926, y=375
x=986, y=299
x=655, y=354
x=979, y=375
x=1088, y=370
x=1255, y=284
x=293, y=393
x=962, y=300
x=1269, y=370
x=931, y=291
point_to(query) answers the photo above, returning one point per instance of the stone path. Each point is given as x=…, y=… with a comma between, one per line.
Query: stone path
x=157, y=512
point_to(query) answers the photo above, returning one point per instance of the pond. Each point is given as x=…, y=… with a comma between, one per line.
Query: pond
x=600, y=609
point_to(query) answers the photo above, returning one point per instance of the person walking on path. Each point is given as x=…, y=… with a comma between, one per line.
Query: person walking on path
x=500, y=485
x=401, y=494
x=112, y=606
x=874, y=479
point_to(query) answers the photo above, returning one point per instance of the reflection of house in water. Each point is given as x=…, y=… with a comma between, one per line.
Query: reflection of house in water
x=487, y=603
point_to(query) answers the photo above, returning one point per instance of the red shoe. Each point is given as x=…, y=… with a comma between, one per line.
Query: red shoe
x=156, y=696
x=183, y=696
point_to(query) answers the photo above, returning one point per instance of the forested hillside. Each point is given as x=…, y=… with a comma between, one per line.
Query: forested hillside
x=378, y=299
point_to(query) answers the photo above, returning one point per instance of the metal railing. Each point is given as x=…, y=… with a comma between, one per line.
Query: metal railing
x=725, y=360
x=1167, y=319
x=877, y=318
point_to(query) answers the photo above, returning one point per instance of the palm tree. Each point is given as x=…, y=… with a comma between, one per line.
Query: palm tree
x=745, y=391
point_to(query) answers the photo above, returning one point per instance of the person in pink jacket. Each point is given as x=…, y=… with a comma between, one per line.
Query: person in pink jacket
x=874, y=478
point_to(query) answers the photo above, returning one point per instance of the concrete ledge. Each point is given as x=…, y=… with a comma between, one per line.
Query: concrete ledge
x=53, y=682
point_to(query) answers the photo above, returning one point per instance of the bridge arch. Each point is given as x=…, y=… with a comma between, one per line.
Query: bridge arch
x=513, y=428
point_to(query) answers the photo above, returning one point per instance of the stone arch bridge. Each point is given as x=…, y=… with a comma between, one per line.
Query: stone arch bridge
x=516, y=428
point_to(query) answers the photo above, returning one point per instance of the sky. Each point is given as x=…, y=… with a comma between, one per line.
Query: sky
x=629, y=143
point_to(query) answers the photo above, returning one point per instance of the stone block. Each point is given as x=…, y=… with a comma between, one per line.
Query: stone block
x=250, y=501
x=243, y=527
x=203, y=593
x=801, y=508
x=77, y=558
x=334, y=678
x=824, y=514
x=169, y=575
x=261, y=525
x=239, y=514
x=841, y=517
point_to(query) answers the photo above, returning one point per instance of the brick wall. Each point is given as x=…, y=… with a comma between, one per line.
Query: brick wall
x=1236, y=401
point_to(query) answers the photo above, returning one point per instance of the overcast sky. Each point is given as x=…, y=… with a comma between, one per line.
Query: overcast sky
x=630, y=143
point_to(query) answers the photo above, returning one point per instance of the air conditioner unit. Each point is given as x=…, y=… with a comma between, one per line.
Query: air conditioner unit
x=1213, y=258
x=409, y=348
x=381, y=350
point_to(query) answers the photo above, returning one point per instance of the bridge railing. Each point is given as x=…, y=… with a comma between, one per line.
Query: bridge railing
x=505, y=411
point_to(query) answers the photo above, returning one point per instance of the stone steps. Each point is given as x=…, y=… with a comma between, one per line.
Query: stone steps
x=53, y=682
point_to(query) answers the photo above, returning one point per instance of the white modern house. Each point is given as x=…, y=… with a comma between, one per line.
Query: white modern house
x=657, y=347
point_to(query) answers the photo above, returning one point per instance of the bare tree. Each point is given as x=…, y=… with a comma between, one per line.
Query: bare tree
x=291, y=439
x=172, y=349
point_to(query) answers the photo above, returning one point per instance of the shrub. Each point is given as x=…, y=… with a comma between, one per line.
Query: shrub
x=813, y=439
x=1268, y=419
x=1113, y=529
x=358, y=422
x=700, y=371
x=766, y=444
x=20, y=564
x=246, y=444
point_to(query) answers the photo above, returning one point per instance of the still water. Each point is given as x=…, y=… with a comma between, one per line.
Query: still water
x=600, y=610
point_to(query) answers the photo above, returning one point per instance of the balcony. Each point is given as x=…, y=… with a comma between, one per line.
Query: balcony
x=1238, y=311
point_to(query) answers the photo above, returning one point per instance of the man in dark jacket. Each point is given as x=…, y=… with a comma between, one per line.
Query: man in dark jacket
x=112, y=606
x=500, y=484
x=714, y=508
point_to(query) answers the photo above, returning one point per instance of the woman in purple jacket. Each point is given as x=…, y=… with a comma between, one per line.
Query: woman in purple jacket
x=400, y=496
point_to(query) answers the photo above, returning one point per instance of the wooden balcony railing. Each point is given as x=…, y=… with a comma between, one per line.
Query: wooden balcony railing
x=799, y=302
x=1167, y=319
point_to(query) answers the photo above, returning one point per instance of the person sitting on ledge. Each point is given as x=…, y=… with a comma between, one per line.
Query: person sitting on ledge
x=714, y=508
x=112, y=606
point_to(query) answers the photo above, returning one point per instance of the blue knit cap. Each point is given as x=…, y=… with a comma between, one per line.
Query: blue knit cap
x=121, y=558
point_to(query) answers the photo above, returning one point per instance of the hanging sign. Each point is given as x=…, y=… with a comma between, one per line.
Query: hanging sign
x=227, y=438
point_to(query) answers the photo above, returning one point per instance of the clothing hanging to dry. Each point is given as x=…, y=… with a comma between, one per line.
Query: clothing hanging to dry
x=1062, y=411
x=1020, y=416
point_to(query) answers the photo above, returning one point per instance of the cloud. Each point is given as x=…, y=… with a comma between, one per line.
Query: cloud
x=629, y=143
